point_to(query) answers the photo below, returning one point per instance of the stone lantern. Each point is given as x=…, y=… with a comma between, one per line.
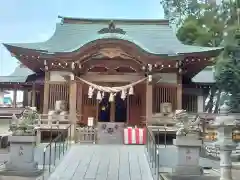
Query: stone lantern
x=224, y=125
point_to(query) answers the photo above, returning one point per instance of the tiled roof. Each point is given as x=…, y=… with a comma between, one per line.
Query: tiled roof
x=153, y=37
x=20, y=74
x=205, y=76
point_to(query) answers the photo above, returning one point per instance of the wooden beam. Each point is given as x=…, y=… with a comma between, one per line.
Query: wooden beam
x=111, y=64
x=121, y=77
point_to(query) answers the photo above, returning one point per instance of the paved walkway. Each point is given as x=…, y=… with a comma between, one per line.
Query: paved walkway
x=103, y=162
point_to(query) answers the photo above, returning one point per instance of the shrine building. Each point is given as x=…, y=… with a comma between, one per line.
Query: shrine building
x=112, y=70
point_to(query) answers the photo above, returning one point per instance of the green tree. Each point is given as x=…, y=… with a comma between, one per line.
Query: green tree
x=228, y=69
x=204, y=24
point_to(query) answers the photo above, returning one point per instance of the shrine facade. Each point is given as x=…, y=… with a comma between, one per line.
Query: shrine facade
x=112, y=70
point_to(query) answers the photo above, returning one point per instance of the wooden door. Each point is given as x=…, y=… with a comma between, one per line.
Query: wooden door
x=136, y=102
x=86, y=107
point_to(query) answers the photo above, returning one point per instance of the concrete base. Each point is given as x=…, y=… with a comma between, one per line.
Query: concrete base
x=20, y=178
x=21, y=157
x=27, y=173
x=188, y=148
x=188, y=170
x=173, y=177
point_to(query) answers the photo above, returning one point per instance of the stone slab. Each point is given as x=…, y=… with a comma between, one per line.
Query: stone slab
x=22, y=139
x=187, y=141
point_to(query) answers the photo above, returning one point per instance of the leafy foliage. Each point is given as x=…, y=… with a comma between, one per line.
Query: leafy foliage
x=209, y=24
x=228, y=70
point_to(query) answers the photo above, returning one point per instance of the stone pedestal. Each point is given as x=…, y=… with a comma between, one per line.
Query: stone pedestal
x=21, y=157
x=188, y=149
x=225, y=125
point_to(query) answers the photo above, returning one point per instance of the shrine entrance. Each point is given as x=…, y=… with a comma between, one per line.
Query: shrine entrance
x=120, y=109
x=129, y=109
x=104, y=109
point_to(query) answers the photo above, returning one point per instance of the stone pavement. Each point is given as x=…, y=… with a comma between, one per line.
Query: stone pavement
x=103, y=162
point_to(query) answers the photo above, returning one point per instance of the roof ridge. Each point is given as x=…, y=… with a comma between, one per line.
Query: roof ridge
x=70, y=20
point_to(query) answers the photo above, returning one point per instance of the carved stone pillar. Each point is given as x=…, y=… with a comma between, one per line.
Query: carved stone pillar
x=225, y=125
x=179, y=91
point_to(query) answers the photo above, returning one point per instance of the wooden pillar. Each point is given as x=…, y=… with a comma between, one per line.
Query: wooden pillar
x=128, y=109
x=73, y=106
x=33, y=104
x=29, y=98
x=112, y=111
x=80, y=101
x=15, y=97
x=179, y=91
x=97, y=112
x=25, y=98
x=46, y=93
x=149, y=102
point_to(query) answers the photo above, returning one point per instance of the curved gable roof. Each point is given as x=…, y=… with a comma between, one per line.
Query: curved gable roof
x=153, y=36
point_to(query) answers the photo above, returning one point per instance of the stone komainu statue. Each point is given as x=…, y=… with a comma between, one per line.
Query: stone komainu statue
x=184, y=123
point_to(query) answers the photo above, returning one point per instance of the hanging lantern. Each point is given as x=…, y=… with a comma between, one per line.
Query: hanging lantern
x=99, y=96
x=123, y=95
x=73, y=65
x=111, y=97
x=131, y=91
x=149, y=78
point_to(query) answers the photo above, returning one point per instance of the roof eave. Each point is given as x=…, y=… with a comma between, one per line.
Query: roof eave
x=66, y=19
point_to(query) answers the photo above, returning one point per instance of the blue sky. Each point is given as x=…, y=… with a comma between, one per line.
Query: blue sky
x=34, y=20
